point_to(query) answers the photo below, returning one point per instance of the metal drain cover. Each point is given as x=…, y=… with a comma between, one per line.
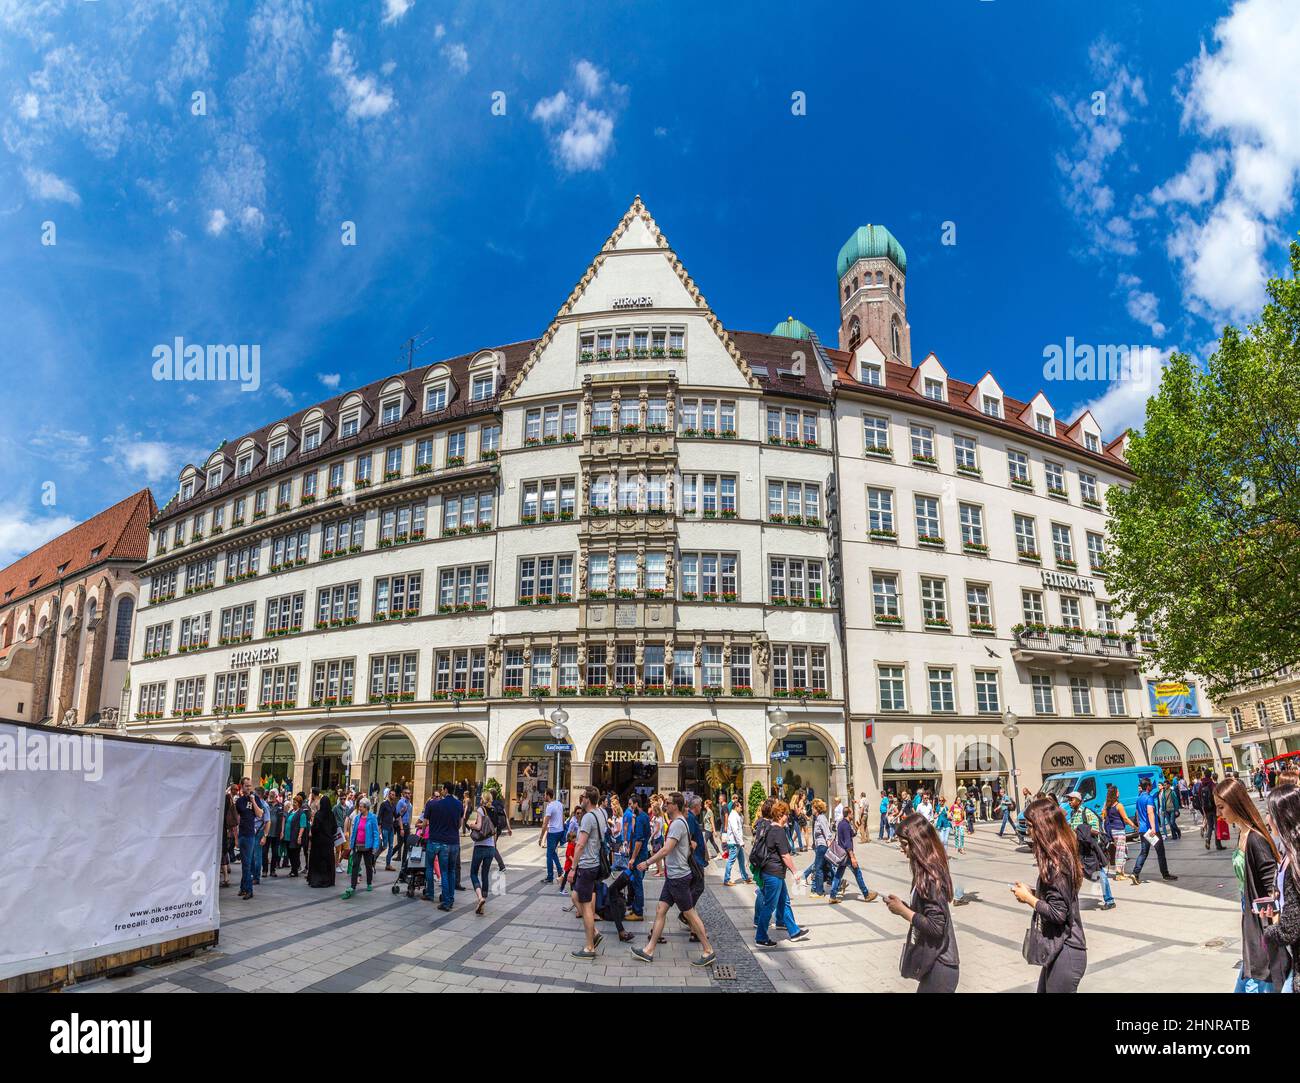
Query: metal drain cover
x=1213, y=944
x=724, y=972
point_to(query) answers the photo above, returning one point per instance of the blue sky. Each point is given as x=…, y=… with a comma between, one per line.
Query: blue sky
x=1149, y=222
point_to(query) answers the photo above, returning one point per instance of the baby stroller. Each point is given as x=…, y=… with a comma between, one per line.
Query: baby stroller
x=412, y=874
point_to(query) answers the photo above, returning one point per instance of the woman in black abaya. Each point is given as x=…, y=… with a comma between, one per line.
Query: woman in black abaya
x=320, y=869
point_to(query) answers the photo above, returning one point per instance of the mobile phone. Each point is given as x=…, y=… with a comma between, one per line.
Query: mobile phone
x=1259, y=906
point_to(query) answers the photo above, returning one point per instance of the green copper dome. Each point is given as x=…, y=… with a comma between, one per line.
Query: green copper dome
x=870, y=242
x=792, y=328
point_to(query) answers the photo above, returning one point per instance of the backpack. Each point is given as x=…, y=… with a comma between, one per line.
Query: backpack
x=602, y=824
x=758, y=849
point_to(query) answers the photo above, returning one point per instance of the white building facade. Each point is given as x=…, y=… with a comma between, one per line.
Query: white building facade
x=623, y=519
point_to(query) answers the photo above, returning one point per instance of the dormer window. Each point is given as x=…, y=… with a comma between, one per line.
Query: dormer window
x=311, y=439
x=992, y=406
x=244, y=465
x=187, y=490
x=934, y=389
x=214, y=477
x=1044, y=424
x=277, y=452
x=1091, y=442
x=349, y=426
x=483, y=387
x=391, y=412
x=873, y=375
x=435, y=399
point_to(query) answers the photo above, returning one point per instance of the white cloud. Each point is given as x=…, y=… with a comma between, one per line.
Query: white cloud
x=20, y=535
x=282, y=393
x=1195, y=184
x=457, y=57
x=364, y=95
x=581, y=132
x=1123, y=404
x=29, y=106
x=1243, y=95
x=152, y=458
x=329, y=379
x=1142, y=305
x=44, y=185
x=395, y=9
x=217, y=222
x=439, y=32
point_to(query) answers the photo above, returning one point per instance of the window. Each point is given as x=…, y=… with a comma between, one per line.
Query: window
x=401, y=524
x=1115, y=704
x=244, y=465
x=309, y=485
x=464, y=587
x=795, y=580
x=391, y=411
x=934, y=389
x=1026, y=536
x=1018, y=468
x=873, y=375
x=794, y=502
x=875, y=434
x=467, y=511
x=656, y=414
x=979, y=610
x=1106, y=618
x=1044, y=699
x=549, y=424
x=1055, y=478
x=1088, y=490
x=483, y=387
x=567, y=674
x=230, y=690
x=311, y=439
x=713, y=416
x=890, y=682
x=880, y=512
x=489, y=441
x=942, y=697
x=332, y=682
x=597, y=672
x=158, y=639
x=343, y=536
x=236, y=624
x=1071, y=616
x=987, y=698
x=922, y=438
x=189, y=696
x=1288, y=709
x=884, y=598
x=393, y=677
x=162, y=587
x=289, y=549
x=992, y=406
x=799, y=669
x=549, y=499
x=1081, y=695
x=456, y=448
x=152, y=700
x=927, y=519
x=201, y=574
x=214, y=477
x=934, y=601
x=277, y=452
x=1096, y=551
x=392, y=463
x=435, y=399
x=966, y=451
x=1043, y=424
x=710, y=495
x=602, y=415
x=122, y=630
x=361, y=472
x=349, y=426
x=625, y=573
x=683, y=667
x=972, y=525
x=512, y=669
x=284, y=613
x=1062, y=544
x=195, y=631
x=708, y=575
x=338, y=605
x=546, y=578
x=740, y=667
x=540, y=678
x=1091, y=442
x=1237, y=723
x=1031, y=603
x=460, y=672
x=279, y=687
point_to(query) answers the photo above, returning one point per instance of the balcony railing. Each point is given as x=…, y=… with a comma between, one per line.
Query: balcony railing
x=1079, y=645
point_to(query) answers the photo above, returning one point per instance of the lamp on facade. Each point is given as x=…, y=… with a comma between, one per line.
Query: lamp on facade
x=559, y=729
x=780, y=723
x=1011, y=731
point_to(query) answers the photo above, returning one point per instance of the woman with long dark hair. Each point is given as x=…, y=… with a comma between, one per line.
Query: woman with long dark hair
x=320, y=865
x=1055, y=940
x=1284, y=923
x=930, y=953
x=1264, y=965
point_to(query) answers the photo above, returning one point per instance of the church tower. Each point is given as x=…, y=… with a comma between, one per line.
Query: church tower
x=872, y=270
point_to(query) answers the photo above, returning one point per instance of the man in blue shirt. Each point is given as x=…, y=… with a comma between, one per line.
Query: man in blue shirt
x=1148, y=820
x=443, y=815
x=404, y=807
x=248, y=808
x=638, y=849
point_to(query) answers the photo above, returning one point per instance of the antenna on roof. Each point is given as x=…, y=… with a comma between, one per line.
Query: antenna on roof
x=411, y=346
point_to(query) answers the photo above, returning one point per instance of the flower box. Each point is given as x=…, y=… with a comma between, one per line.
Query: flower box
x=455, y=460
x=532, y=441
x=1088, y=502
x=794, y=520
x=197, y=538
x=334, y=490
x=792, y=441
x=354, y=548
x=728, y=434
x=1030, y=628
x=259, y=515
x=676, y=352
x=563, y=596
x=809, y=443
x=512, y=693
x=542, y=599
x=975, y=547
x=728, y=513
x=424, y=468
x=688, y=596
x=710, y=595
x=654, y=593
x=623, y=592
x=450, y=531
x=656, y=427
x=525, y=599
x=600, y=430
x=392, y=475
x=237, y=521
x=567, y=690
x=776, y=517
x=881, y=534
x=690, y=431
x=1068, y=565
x=595, y=690
x=683, y=690
x=478, y=607
x=649, y=689
x=550, y=438
x=528, y=520
x=308, y=498
x=938, y=622
x=633, y=428
x=283, y=505
x=889, y=620
x=982, y=627
x=930, y=539
x=1059, y=494
x=1030, y=557
x=483, y=528
x=361, y=483
x=728, y=595
x=597, y=510
x=1022, y=483
x=385, y=543
x=812, y=520
x=883, y=452
x=742, y=690
x=924, y=460
x=490, y=455
x=969, y=471
x=548, y=517
x=569, y=437
x=596, y=594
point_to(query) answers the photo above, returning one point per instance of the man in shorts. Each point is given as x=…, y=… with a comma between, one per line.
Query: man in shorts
x=676, y=856
x=591, y=833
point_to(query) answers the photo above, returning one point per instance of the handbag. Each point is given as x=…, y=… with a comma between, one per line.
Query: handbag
x=918, y=956
x=836, y=854
x=1221, y=831
x=1038, y=948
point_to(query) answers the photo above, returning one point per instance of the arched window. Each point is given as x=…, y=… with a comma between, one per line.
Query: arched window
x=847, y=293
x=855, y=283
x=1288, y=709
x=880, y=277
x=90, y=610
x=895, y=339
x=855, y=333
x=1236, y=719
x=122, y=630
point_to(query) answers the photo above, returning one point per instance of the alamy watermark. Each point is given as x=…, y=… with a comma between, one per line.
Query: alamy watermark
x=1104, y=361
x=39, y=750
x=235, y=364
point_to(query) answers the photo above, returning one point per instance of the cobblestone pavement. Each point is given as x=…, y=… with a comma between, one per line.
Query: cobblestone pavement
x=1179, y=936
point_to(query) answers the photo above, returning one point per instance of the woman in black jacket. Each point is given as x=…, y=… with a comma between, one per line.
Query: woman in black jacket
x=1055, y=941
x=1284, y=924
x=1264, y=965
x=930, y=954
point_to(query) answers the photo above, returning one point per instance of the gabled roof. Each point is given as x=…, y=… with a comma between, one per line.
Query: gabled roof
x=117, y=533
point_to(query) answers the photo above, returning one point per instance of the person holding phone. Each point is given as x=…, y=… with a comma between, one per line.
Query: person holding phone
x=1283, y=925
x=1265, y=965
x=1057, y=928
x=930, y=953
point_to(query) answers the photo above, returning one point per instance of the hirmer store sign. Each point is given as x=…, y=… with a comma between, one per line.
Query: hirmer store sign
x=254, y=656
x=1062, y=581
x=644, y=301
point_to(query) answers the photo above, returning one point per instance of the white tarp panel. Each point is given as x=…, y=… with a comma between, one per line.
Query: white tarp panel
x=109, y=844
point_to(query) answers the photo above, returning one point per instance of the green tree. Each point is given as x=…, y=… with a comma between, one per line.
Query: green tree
x=757, y=795
x=1205, y=544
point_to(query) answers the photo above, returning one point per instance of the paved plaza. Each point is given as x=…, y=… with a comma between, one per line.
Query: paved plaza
x=1175, y=937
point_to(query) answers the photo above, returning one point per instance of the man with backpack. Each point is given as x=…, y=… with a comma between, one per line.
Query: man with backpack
x=592, y=864
x=676, y=856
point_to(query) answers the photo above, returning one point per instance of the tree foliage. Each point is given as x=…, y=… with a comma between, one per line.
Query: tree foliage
x=1206, y=541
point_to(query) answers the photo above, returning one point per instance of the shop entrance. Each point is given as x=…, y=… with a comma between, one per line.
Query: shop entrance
x=979, y=763
x=626, y=762
x=805, y=764
x=458, y=758
x=711, y=763
x=533, y=772
x=392, y=762
x=276, y=765
x=911, y=767
x=327, y=771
